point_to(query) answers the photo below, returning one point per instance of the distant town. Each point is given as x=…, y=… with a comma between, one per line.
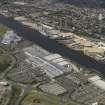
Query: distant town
x=51, y=53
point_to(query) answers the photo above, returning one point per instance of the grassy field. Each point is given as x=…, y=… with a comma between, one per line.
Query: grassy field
x=16, y=91
x=5, y=61
x=3, y=29
x=44, y=99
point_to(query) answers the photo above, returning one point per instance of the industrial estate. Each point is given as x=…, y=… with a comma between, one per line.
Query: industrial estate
x=52, y=52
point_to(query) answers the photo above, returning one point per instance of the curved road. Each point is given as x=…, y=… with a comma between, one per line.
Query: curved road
x=52, y=45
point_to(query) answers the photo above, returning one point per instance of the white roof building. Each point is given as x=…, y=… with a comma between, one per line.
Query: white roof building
x=50, y=70
x=58, y=60
x=52, y=57
x=53, y=88
x=63, y=63
x=97, y=81
x=10, y=37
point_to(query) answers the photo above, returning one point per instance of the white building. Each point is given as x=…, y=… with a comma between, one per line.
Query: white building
x=53, y=88
x=98, y=82
x=10, y=37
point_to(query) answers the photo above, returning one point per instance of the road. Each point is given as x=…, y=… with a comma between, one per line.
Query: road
x=3, y=74
x=25, y=90
x=52, y=45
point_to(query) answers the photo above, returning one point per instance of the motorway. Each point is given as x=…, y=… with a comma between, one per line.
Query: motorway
x=52, y=45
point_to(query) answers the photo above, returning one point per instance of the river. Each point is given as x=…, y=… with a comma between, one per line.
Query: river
x=52, y=45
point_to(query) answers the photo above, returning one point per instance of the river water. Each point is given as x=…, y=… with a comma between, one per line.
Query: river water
x=52, y=45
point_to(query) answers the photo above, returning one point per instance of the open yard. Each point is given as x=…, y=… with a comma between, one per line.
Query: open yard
x=35, y=97
x=3, y=29
x=5, y=60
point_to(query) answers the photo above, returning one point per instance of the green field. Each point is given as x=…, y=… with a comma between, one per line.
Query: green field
x=16, y=91
x=39, y=97
x=5, y=60
x=3, y=29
